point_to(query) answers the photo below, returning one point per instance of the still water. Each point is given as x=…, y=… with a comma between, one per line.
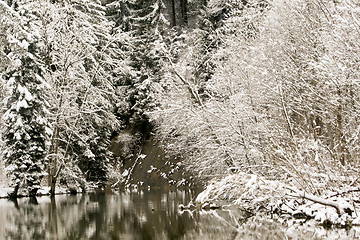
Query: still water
x=142, y=215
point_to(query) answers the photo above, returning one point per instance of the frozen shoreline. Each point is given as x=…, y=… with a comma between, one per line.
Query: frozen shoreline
x=256, y=194
x=43, y=191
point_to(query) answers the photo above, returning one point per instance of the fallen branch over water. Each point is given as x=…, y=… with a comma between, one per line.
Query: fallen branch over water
x=140, y=156
x=326, y=202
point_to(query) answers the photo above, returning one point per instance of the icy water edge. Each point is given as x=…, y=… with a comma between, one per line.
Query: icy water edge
x=144, y=214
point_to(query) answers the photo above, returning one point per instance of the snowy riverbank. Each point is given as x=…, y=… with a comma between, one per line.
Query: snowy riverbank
x=5, y=190
x=256, y=194
x=43, y=191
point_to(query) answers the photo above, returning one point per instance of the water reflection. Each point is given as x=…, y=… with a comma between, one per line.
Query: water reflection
x=141, y=215
x=127, y=215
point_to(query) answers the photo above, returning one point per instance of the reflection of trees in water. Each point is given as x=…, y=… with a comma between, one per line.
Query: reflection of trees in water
x=28, y=222
x=234, y=224
x=142, y=215
x=139, y=215
x=151, y=216
x=130, y=215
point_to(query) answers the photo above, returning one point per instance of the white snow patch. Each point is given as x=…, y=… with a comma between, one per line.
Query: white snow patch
x=19, y=122
x=152, y=168
x=21, y=104
x=125, y=173
x=17, y=136
x=88, y=153
x=4, y=192
x=48, y=131
x=17, y=63
x=10, y=82
x=44, y=191
x=24, y=44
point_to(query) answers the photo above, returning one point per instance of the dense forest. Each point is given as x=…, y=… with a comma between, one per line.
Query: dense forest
x=230, y=87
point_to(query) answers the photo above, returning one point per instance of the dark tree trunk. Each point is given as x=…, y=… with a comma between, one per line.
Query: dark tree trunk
x=14, y=194
x=53, y=185
x=184, y=14
x=53, y=223
x=33, y=191
x=173, y=12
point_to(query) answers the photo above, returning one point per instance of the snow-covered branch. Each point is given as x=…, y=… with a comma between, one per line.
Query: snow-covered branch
x=341, y=209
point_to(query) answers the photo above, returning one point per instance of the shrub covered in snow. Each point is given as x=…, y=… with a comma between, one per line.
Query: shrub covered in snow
x=255, y=193
x=246, y=190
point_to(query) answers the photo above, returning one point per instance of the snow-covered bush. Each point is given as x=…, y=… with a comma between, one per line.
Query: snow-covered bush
x=246, y=190
x=281, y=99
x=255, y=194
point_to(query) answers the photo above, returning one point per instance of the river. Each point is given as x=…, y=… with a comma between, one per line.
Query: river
x=142, y=214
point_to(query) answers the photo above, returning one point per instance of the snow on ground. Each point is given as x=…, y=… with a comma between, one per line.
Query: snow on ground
x=247, y=190
x=4, y=192
x=255, y=194
x=43, y=191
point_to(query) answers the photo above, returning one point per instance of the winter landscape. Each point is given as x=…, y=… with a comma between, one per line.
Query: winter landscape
x=156, y=119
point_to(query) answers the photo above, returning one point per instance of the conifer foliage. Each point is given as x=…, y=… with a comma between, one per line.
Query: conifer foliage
x=62, y=131
x=26, y=131
x=148, y=27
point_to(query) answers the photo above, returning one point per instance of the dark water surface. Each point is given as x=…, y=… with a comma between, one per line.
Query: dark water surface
x=141, y=214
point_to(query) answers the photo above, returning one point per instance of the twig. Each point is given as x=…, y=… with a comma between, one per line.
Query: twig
x=133, y=167
x=346, y=192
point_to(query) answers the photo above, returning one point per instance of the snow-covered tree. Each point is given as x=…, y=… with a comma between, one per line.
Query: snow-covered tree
x=318, y=84
x=148, y=27
x=26, y=132
x=202, y=113
x=119, y=13
x=79, y=54
x=281, y=99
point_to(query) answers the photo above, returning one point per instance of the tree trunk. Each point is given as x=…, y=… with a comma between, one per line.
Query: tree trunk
x=52, y=169
x=340, y=136
x=52, y=186
x=326, y=202
x=54, y=150
x=14, y=194
x=184, y=15
x=173, y=12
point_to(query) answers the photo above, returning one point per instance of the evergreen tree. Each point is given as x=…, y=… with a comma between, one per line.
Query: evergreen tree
x=94, y=157
x=211, y=19
x=119, y=13
x=97, y=128
x=148, y=28
x=26, y=130
x=122, y=74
